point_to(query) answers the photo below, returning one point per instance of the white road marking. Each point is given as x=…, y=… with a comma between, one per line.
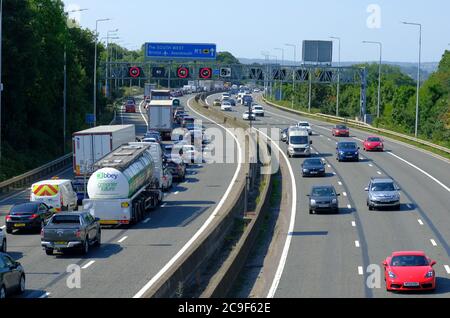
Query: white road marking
x=447, y=269
x=3, y=227
x=328, y=166
x=349, y=206
x=379, y=172
x=433, y=242
x=345, y=194
x=321, y=136
x=45, y=295
x=88, y=264
x=142, y=115
x=146, y=220
x=340, y=183
x=180, y=253
x=357, y=243
x=370, y=165
x=358, y=139
x=422, y=171
x=420, y=221
x=176, y=192
x=360, y=270
x=164, y=205
x=122, y=239
x=287, y=244
x=334, y=173
x=329, y=139
x=353, y=223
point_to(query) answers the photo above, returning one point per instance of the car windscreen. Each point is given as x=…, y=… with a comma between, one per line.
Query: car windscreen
x=374, y=139
x=409, y=260
x=303, y=125
x=299, y=140
x=341, y=127
x=347, y=146
x=383, y=186
x=66, y=219
x=257, y=107
x=24, y=208
x=322, y=192
x=313, y=162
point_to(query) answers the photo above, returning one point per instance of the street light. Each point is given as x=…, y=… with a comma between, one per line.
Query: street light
x=95, y=69
x=418, y=75
x=379, y=74
x=282, y=63
x=293, y=70
x=339, y=74
x=65, y=84
x=110, y=35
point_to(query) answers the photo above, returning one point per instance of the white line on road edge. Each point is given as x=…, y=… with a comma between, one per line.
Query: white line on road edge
x=140, y=111
x=328, y=166
x=178, y=192
x=3, y=227
x=45, y=295
x=340, y=183
x=433, y=242
x=357, y=243
x=349, y=206
x=420, y=221
x=424, y=172
x=208, y=221
x=370, y=165
x=164, y=205
x=287, y=244
x=88, y=264
x=122, y=239
x=345, y=194
x=379, y=172
x=358, y=139
x=146, y=221
x=447, y=269
x=360, y=270
x=353, y=223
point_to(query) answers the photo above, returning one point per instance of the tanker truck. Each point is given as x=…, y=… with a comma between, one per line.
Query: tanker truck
x=126, y=184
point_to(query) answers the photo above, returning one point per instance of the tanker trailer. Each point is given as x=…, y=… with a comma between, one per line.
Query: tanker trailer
x=126, y=184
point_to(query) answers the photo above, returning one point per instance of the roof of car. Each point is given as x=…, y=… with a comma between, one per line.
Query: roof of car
x=322, y=186
x=381, y=180
x=403, y=253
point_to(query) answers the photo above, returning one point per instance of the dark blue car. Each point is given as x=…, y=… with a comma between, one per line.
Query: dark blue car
x=247, y=100
x=347, y=151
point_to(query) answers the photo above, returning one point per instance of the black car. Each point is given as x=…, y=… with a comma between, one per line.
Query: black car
x=28, y=216
x=232, y=102
x=12, y=276
x=314, y=167
x=347, y=151
x=323, y=199
x=177, y=168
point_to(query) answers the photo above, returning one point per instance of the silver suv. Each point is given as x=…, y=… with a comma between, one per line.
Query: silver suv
x=383, y=193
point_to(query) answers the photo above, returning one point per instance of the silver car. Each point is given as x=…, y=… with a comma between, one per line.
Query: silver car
x=2, y=241
x=383, y=193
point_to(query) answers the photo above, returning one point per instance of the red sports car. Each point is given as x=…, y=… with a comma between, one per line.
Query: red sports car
x=340, y=131
x=409, y=271
x=373, y=143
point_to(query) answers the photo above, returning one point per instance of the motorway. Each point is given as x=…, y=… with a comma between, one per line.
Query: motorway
x=330, y=255
x=128, y=257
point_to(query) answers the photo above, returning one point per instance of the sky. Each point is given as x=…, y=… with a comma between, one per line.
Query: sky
x=246, y=28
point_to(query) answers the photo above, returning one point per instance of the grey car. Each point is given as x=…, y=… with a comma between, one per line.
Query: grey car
x=74, y=230
x=323, y=198
x=383, y=193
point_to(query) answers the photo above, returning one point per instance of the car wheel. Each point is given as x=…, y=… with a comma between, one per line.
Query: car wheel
x=9, y=231
x=49, y=251
x=98, y=241
x=370, y=208
x=4, y=246
x=398, y=207
x=22, y=285
x=2, y=292
x=85, y=250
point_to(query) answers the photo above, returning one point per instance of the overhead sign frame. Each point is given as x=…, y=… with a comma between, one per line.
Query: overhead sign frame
x=180, y=51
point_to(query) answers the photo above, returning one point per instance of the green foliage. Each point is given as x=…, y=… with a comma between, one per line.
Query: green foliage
x=226, y=58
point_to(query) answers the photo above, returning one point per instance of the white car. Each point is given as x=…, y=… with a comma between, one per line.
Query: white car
x=258, y=110
x=248, y=116
x=225, y=97
x=305, y=125
x=189, y=154
x=2, y=241
x=226, y=106
x=167, y=180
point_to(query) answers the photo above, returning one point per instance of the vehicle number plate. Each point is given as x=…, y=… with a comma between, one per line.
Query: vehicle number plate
x=60, y=243
x=411, y=284
x=313, y=172
x=19, y=225
x=323, y=206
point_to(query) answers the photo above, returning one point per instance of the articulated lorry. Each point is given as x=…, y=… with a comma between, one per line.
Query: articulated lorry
x=126, y=184
x=90, y=145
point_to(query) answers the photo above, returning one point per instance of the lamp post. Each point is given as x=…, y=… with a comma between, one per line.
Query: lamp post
x=293, y=70
x=110, y=35
x=282, y=63
x=418, y=76
x=95, y=69
x=339, y=74
x=379, y=74
x=266, y=86
x=271, y=82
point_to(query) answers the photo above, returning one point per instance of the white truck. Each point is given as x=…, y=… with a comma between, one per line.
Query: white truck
x=126, y=184
x=91, y=145
x=160, y=115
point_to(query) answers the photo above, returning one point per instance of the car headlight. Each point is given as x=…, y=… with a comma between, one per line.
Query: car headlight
x=392, y=275
x=334, y=201
x=305, y=170
x=341, y=152
x=430, y=274
x=313, y=202
x=356, y=153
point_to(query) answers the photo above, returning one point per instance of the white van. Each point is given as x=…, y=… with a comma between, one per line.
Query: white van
x=58, y=194
x=299, y=143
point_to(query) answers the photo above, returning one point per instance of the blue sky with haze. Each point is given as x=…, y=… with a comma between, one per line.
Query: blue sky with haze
x=245, y=28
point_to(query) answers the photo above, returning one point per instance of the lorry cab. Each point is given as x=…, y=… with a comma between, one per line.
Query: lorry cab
x=299, y=143
x=58, y=194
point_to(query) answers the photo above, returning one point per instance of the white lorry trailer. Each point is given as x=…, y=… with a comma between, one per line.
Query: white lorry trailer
x=91, y=145
x=160, y=114
x=126, y=184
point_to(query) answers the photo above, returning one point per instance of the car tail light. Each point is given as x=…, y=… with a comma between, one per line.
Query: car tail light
x=34, y=216
x=42, y=233
x=8, y=218
x=78, y=234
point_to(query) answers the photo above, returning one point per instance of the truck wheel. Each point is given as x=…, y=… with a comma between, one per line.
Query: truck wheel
x=22, y=285
x=49, y=251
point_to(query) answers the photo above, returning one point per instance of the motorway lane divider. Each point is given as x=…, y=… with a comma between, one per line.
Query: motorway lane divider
x=357, y=124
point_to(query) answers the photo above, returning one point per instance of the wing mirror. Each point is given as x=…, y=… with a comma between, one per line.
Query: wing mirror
x=311, y=142
x=385, y=263
x=338, y=194
x=433, y=262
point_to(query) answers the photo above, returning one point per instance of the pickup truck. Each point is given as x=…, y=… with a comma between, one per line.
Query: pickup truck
x=71, y=230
